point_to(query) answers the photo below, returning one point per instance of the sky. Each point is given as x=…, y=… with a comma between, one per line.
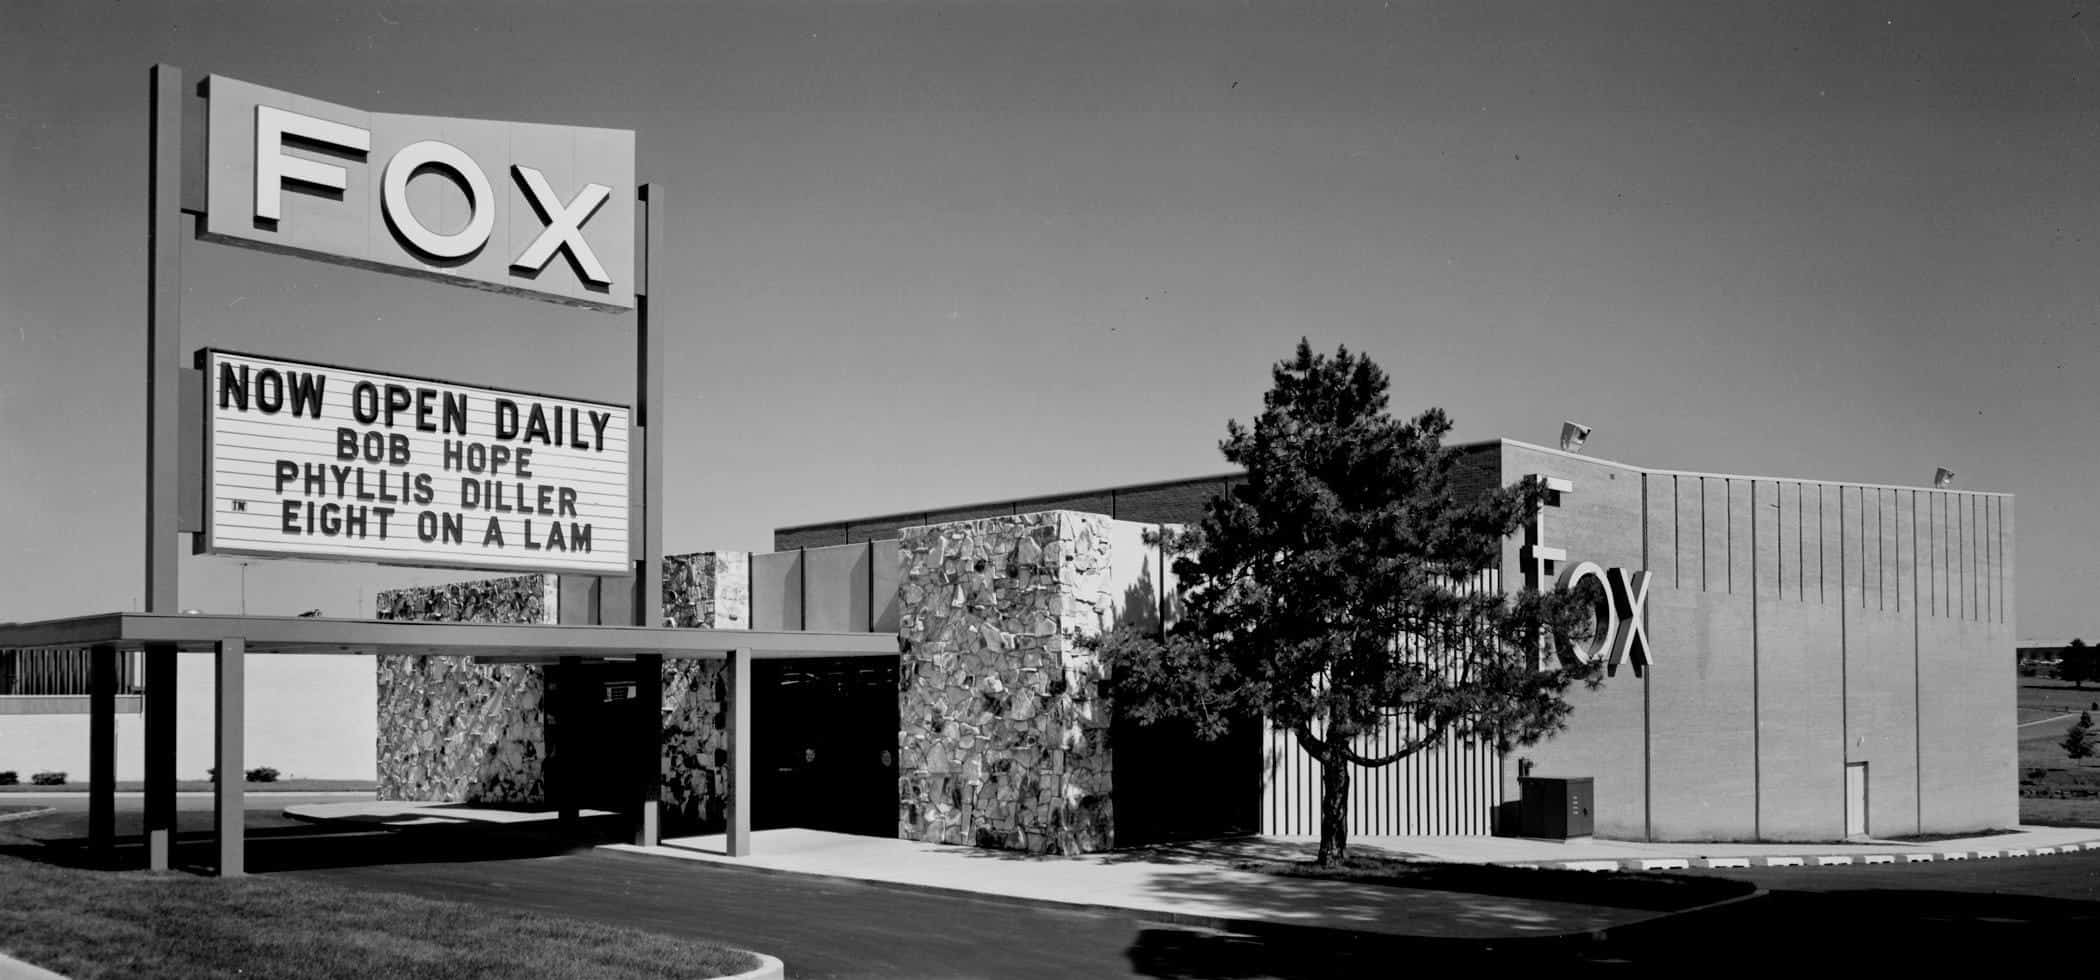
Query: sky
x=936, y=253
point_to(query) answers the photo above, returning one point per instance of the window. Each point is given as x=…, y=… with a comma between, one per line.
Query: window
x=59, y=671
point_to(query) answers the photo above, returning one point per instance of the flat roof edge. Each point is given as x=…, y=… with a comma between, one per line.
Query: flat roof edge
x=274, y=634
x=1740, y=476
x=921, y=513
x=916, y=518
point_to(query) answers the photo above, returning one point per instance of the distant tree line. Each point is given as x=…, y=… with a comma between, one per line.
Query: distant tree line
x=2080, y=663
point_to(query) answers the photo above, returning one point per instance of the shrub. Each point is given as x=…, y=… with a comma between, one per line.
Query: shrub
x=262, y=774
x=8, y=777
x=48, y=778
x=2078, y=742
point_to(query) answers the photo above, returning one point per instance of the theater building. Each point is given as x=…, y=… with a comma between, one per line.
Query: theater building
x=1790, y=660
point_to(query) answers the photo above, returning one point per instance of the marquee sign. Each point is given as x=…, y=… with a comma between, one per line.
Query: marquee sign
x=544, y=211
x=1621, y=622
x=313, y=461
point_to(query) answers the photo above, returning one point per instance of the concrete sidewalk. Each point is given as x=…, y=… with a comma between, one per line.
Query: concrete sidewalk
x=1199, y=884
x=1193, y=886
x=398, y=813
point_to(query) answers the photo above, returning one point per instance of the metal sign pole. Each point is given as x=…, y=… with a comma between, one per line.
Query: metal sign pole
x=163, y=338
x=648, y=579
x=649, y=391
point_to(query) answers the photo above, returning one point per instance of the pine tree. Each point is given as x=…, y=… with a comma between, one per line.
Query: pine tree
x=2078, y=742
x=1326, y=592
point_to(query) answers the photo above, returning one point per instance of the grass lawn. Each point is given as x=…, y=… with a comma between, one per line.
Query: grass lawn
x=88, y=924
x=80, y=785
x=2055, y=788
x=2060, y=812
x=2043, y=697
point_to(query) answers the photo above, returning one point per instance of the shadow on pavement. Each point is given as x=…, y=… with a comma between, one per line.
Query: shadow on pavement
x=1800, y=930
x=1276, y=881
x=278, y=844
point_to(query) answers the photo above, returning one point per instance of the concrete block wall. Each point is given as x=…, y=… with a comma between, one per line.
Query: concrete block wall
x=1798, y=626
x=836, y=588
x=308, y=717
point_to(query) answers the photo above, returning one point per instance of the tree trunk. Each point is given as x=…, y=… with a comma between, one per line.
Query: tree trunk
x=1334, y=803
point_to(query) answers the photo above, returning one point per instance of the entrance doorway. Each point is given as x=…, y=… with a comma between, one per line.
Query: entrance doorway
x=824, y=745
x=1172, y=786
x=591, y=726
x=1855, y=799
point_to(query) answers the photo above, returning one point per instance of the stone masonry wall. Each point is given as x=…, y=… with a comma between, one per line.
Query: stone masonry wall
x=1005, y=734
x=710, y=590
x=454, y=731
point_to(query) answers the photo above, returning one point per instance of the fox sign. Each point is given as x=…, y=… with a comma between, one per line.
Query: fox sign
x=542, y=211
x=1621, y=607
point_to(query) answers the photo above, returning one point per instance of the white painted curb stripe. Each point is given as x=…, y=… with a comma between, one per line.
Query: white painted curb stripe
x=769, y=968
x=1798, y=861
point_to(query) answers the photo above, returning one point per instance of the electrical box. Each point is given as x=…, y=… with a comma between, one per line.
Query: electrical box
x=1558, y=808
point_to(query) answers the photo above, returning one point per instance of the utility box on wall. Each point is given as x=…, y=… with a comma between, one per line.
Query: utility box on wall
x=1558, y=808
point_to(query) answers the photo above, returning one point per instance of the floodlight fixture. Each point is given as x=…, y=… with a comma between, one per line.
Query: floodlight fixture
x=1942, y=478
x=1572, y=435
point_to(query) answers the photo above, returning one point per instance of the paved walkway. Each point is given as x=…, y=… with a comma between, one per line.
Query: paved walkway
x=395, y=813
x=1198, y=883
x=1193, y=885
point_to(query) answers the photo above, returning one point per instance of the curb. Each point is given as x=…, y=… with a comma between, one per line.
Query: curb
x=27, y=814
x=768, y=968
x=1252, y=927
x=1801, y=860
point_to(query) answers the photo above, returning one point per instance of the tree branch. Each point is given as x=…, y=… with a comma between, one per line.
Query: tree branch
x=1313, y=745
x=1435, y=735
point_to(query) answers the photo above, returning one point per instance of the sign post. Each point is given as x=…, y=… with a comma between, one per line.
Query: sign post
x=544, y=212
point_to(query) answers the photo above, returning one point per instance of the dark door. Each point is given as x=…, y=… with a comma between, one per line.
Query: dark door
x=1172, y=786
x=824, y=745
x=591, y=740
